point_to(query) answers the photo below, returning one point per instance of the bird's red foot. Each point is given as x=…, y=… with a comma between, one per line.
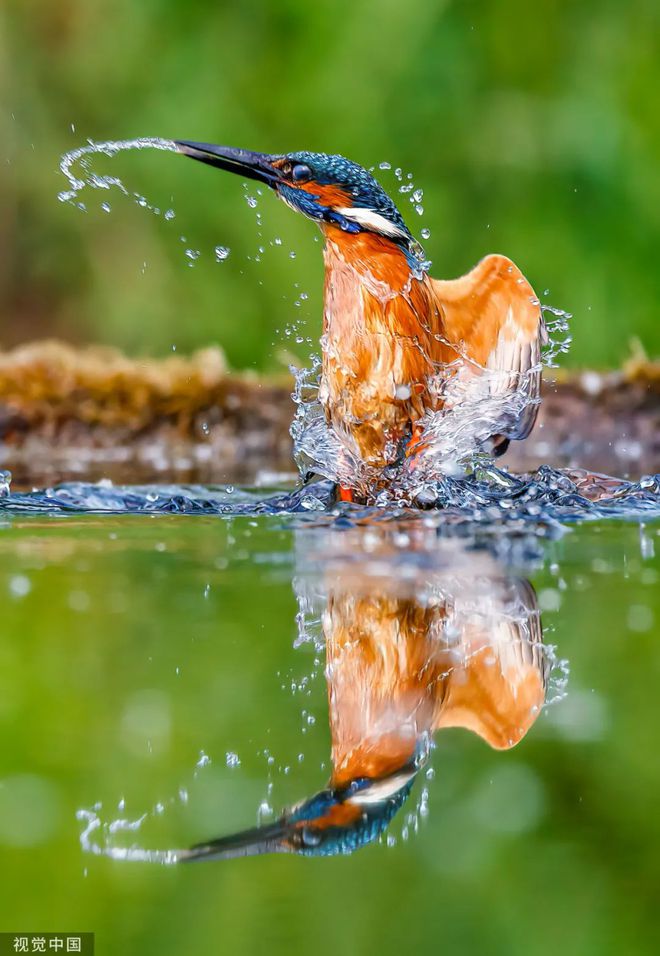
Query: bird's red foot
x=345, y=494
x=415, y=445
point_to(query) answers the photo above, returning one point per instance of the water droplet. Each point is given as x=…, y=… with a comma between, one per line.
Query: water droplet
x=232, y=759
x=221, y=253
x=169, y=214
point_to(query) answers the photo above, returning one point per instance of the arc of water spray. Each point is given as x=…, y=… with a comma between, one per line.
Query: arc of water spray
x=110, y=148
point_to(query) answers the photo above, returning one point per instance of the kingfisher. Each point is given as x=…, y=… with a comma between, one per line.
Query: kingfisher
x=400, y=350
x=402, y=662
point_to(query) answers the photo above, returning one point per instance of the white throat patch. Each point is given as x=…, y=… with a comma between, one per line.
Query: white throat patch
x=372, y=220
x=382, y=789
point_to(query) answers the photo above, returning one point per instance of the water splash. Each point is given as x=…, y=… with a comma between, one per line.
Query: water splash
x=396, y=180
x=558, y=338
x=487, y=500
x=93, y=827
x=75, y=166
x=474, y=402
x=475, y=407
x=99, y=836
x=558, y=674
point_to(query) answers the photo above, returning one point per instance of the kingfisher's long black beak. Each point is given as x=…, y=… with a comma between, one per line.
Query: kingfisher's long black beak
x=267, y=839
x=242, y=161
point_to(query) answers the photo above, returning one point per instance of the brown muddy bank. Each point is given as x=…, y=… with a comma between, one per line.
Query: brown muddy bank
x=93, y=413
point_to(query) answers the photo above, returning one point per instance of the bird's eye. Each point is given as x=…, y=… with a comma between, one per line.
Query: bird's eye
x=301, y=173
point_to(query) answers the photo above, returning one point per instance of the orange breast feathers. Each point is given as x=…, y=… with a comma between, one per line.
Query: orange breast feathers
x=383, y=677
x=380, y=343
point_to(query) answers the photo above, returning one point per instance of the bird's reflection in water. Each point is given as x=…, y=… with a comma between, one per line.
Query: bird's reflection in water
x=421, y=633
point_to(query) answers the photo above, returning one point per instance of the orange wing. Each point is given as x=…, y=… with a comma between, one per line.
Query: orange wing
x=493, y=319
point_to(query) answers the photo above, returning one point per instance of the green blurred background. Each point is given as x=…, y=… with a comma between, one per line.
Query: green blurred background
x=534, y=130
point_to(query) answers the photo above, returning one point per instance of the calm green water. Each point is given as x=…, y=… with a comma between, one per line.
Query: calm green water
x=131, y=645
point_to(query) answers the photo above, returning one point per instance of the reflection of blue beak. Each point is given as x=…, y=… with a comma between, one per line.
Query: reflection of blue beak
x=333, y=821
x=266, y=839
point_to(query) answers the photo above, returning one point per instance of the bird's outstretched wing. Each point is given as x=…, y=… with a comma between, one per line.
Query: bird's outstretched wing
x=497, y=683
x=492, y=317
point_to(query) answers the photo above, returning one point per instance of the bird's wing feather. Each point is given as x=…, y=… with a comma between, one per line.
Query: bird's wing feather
x=498, y=687
x=493, y=319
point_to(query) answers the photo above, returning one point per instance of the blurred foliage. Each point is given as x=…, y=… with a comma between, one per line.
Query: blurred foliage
x=130, y=645
x=533, y=128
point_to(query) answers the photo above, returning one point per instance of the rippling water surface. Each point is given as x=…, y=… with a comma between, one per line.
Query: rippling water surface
x=180, y=664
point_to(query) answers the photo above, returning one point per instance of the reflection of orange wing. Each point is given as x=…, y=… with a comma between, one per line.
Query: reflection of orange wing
x=498, y=691
x=492, y=316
